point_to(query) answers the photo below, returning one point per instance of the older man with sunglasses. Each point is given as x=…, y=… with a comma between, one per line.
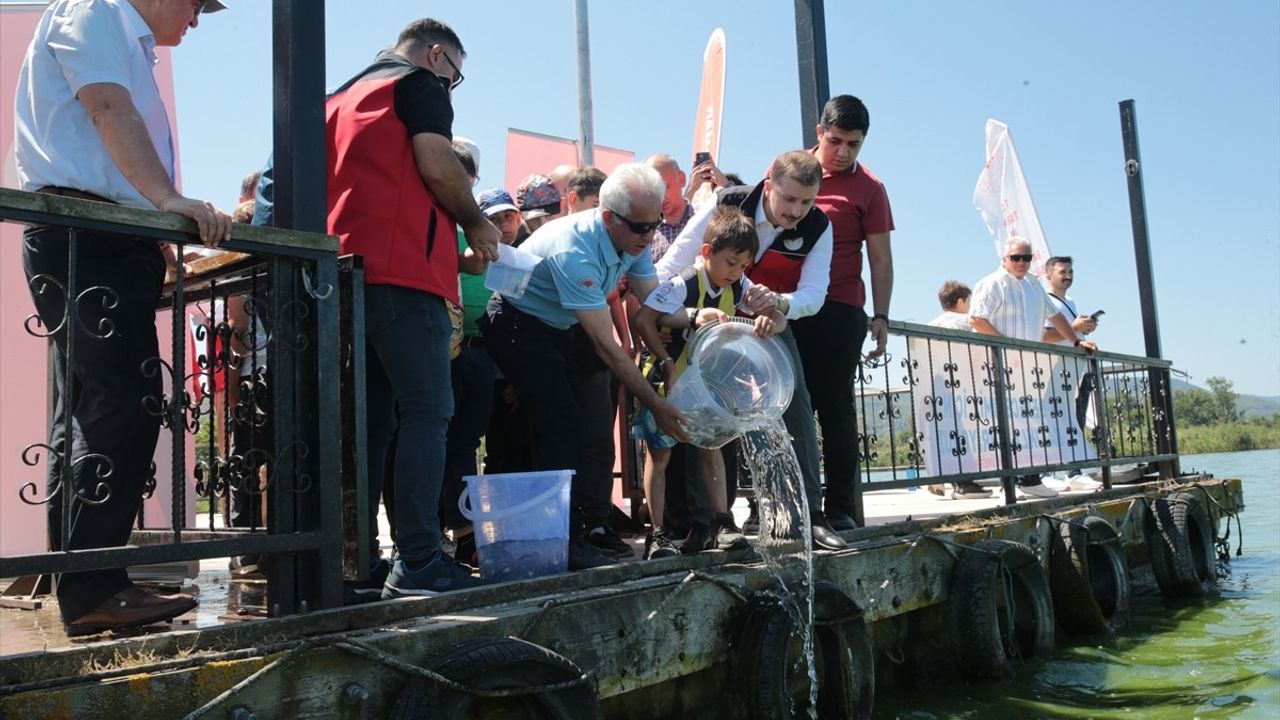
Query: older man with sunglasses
x=583, y=256
x=1009, y=303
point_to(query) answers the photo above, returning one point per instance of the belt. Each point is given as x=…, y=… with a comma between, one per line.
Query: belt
x=73, y=193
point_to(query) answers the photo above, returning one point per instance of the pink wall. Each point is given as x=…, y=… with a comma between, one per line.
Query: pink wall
x=23, y=358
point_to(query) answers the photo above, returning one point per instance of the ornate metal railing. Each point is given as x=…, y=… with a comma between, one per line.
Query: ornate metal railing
x=258, y=401
x=944, y=406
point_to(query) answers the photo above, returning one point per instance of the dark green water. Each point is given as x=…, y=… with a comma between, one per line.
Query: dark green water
x=1219, y=658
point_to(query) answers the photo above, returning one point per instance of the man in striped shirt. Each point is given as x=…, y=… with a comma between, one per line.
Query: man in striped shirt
x=1009, y=303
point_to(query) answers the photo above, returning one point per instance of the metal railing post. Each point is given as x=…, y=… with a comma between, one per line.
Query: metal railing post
x=1005, y=440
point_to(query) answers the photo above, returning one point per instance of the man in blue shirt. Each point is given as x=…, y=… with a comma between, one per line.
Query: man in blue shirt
x=583, y=258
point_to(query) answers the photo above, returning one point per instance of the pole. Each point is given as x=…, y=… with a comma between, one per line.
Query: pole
x=586, y=134
x=811, y=47
x=1166, y=434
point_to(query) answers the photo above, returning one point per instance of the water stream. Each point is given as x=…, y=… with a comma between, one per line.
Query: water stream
x=785, y=541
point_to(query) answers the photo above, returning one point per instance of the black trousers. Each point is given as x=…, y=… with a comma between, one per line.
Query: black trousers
x=538, y=360
x=106, y=420
x=830, y=344
x=592, y=383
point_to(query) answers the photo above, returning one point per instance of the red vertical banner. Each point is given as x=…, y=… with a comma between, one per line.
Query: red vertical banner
x=706, y=126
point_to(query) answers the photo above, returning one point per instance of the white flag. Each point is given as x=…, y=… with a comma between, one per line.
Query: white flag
x=1005, y=201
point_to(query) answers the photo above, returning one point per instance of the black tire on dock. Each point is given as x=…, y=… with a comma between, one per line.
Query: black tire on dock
x=1180, y=537
x=1089, y=577
x=497, y=664
x=770, y=676
x=1001, y=608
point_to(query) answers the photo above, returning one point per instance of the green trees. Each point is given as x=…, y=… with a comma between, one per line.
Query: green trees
x=1209, y=421
x=1194, y=406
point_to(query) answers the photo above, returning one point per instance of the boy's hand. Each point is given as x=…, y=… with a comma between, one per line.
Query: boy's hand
x=766, y=327
x=710, y=316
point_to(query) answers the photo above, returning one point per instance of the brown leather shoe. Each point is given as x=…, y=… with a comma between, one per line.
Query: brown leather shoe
x=131, y=607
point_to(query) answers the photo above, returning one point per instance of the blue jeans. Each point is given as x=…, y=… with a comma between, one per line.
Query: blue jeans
x=408, y=396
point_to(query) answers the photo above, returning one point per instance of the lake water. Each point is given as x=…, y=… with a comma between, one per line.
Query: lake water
x=1218, y=658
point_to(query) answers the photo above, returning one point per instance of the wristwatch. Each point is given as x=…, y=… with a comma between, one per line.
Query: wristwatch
x=693, y=318
x=880, y=316
x=667, y=359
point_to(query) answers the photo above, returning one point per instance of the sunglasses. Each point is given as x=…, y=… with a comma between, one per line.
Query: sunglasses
x=1019, y=258
x=638, y=227
x=457, y=80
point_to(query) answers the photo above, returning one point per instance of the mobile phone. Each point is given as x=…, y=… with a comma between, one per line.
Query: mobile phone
x=1097, y=315
x=701, y=157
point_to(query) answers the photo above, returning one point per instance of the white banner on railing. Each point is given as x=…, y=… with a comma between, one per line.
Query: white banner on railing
x=955, y=411
x=1004, y=200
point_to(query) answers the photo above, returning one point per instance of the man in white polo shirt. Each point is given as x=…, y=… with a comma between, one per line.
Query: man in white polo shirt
x=90, y=124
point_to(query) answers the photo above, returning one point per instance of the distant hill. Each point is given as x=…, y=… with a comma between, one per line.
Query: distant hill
x=1249, y=405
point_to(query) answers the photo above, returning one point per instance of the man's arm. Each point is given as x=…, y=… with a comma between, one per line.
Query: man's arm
x=124, y=135
x=1064, y=329
x=684, y=250
x=444, y=175
x=880, y=258
x=815, y=276
x=981, y=325
x=599, y=327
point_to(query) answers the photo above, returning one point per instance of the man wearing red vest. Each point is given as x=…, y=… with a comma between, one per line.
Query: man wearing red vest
x=396, y=191
x=794, y=262
x=830, y=341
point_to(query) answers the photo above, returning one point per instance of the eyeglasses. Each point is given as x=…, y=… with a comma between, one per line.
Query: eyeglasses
x=456, y=81
x=1019, y=258
x=640, y=228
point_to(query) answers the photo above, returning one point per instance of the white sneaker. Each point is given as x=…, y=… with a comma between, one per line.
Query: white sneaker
x=1083, y=483
x=1051, y=482
x=1038, y=491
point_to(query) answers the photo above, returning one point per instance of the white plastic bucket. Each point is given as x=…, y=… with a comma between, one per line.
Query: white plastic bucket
x=510, y=273
x=521, y=522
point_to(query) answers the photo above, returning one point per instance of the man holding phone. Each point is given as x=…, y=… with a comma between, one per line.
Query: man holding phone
x=1059, y=276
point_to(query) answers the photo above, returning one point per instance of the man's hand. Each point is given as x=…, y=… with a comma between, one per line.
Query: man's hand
x=214, y=225
x=759, y=300
x=1084, y=325
x=707, y=172
x=670, y=419
x=878, y=329
x=1088, y=346
x=483, y=238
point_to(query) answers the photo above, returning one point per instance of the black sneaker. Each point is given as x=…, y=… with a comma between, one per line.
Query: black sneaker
x=700, y=538
x=441, y=574
x=358, y=591
x=609, y=542
x=969, y=491
x=658, y=545
x=726, y=533
x=584, y=556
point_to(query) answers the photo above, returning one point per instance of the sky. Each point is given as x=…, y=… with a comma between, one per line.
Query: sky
x=1205, y=78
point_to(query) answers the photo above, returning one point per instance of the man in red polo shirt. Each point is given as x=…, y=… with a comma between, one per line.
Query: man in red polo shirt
x=830, y=341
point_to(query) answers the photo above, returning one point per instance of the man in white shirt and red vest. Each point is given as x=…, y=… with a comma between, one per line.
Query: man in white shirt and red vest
x=794, y=262
x=830, y=340
x=396, y=194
